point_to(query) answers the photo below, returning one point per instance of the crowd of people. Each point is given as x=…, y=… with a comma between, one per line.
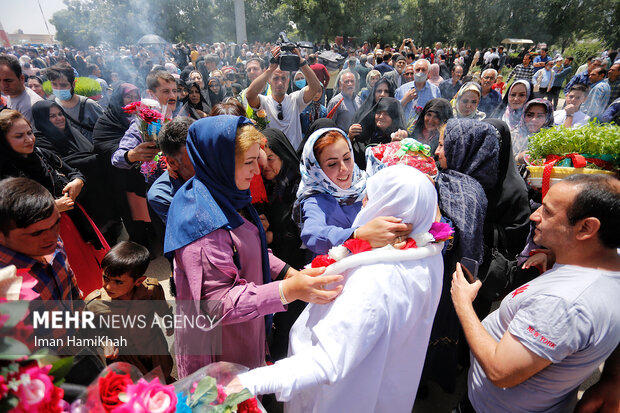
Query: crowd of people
x=241, y=209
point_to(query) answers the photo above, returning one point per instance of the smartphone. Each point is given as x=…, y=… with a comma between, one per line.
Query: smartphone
x=471, y=266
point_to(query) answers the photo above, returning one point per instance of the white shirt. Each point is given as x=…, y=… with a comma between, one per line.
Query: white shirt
x=579, y=118
x=292, y=106
x=23, y=103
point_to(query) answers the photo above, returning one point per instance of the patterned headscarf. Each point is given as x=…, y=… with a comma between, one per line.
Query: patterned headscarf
x=467, y=87
x=471, y=149
x=314, y=180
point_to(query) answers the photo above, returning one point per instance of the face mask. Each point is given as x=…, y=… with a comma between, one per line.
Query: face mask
x=420, y=77
x=62, y=94
x=300, y=83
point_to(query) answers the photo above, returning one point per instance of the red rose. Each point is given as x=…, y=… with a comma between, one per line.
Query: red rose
x=410, y=243
x=110, y=386
x=357, y=245
x=131, y=108
x=322, y=261
x=248, y=406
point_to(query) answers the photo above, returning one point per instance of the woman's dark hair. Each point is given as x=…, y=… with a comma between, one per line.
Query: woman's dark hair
x=126, y=257
x=23, y=202
x=599, y=198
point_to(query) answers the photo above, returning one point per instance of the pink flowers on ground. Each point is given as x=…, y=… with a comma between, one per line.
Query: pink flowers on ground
x=145, y=397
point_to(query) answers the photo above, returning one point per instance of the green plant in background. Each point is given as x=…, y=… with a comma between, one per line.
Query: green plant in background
x=84, y=86
x=592, y=139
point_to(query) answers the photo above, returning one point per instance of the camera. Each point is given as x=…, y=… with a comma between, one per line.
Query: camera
x=231, y=76
x=289, y=61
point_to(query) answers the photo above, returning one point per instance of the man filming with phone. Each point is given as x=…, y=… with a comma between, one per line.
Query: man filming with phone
x=283, y=109
x=550, y=334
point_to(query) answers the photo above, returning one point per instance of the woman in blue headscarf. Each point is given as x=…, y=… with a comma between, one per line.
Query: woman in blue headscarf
x=218, y=240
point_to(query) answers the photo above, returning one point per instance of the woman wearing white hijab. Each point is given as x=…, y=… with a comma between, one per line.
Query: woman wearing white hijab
x=365, y=351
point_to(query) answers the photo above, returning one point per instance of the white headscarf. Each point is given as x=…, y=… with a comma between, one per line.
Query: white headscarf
x=403, y=192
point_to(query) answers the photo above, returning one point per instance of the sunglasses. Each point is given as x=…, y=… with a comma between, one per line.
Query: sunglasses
x=280, y=114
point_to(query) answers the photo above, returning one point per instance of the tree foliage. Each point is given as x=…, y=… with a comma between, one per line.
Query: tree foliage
x=475, y=23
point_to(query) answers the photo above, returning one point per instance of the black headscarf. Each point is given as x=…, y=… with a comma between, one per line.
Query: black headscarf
x=471, y=149
x=443, y=109
x=63, y=143
x=289, y=175
x=508, y=202
x=114, y=122
x=204, y=104
x=315, y=126
x=365, y=115
x=215, y=98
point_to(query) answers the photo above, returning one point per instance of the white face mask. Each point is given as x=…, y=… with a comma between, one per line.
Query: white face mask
x=420, y=77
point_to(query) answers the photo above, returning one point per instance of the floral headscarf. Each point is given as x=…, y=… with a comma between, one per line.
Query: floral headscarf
x=314, y=180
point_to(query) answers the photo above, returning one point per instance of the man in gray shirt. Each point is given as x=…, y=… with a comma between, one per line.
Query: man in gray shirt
x=81, y=111
x=19, y=97
x=550, y=334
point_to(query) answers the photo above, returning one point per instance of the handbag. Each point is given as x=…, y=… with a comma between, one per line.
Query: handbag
x=499, y=269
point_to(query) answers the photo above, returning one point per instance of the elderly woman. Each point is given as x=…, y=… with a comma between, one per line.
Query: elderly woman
x=468, y=159
x=435, y=114
x=433, y=75
x=384, y=122
x=364, y=352
x=220, y=249
x=465, y=104
x=330, y=196
x=371, y=78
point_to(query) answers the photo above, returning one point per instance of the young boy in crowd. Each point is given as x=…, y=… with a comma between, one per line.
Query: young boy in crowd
x=572, y=116
x=499, y=85
x=123, y=268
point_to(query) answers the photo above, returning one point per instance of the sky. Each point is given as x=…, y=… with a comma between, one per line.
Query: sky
x=25, y=15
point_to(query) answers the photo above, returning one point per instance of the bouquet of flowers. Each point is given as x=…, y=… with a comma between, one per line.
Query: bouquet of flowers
x=259, y=118
x=408, y=151
x=150, y=122
x=120, y=388
x=29, y=383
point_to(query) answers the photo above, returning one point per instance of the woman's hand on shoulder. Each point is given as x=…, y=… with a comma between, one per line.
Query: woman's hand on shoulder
x=73, y=188
x=384, y=230
x=309, y=285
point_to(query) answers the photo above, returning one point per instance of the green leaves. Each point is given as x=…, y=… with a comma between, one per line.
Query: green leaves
x=591, y=139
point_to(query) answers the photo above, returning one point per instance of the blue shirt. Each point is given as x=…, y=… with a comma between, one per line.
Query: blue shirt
x=161, y=193
x=559, y=77
x=383, y=68
x=598, y=97
x=428, y=92
x=490, y=102
x=326, y=223
x=582, y=78
x=539, y=59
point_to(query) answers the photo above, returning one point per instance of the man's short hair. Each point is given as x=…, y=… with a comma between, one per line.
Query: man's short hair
x=602, y=70
x=173, y=135
x=154, y=77
x=589, y=59
x=211, y=58
x=411, y=55
x=12, y=63
x=387, y=56
x=312, y=59
x=544, y=48
x=363, y=59
x=401, y=57
x=571, y=58
x=23, y=202
x=126, y=257
x=599, y=198
x=60, y=70
x=579, y=87
x=489, y=70
x=457, y=65
x=260, y=62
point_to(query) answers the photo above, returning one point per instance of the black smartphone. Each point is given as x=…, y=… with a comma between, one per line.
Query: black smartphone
x=471, y=266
